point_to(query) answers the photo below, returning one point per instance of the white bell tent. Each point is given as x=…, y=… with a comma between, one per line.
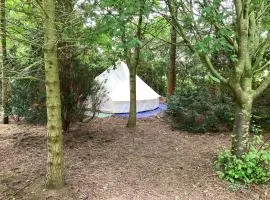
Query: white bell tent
x=115, y=85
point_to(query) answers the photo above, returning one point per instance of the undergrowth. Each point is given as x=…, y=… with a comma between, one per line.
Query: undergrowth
x=252, y=167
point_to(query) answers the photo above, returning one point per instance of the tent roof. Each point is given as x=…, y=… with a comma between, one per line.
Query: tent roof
x=115, y=80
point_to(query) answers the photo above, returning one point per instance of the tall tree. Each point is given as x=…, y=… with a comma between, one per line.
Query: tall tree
x=240, y=40
x=55, y=175
x=133, y=69
x=4, y=61
x=172, y=66
x=123, y=22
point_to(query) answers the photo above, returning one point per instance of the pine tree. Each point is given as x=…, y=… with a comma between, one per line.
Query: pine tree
x=55, y=177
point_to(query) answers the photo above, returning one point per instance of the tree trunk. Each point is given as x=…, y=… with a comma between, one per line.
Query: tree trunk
x=132, y=74
x=4, y=61
x=240, y=134
x=133, y=101
x=55, y=177
x=66, y=83
x=65, y=53
x=172, y=67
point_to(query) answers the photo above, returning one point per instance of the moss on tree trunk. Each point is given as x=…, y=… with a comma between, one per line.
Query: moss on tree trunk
x=55, y=177
x=240, y=134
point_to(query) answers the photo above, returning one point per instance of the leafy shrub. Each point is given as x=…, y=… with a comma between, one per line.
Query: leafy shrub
x=253, y=167
x=200, y=110
x=255, y=126
x=28, y=100
x=28, y=97
x=77, y=84
x=261, y=112
x=154, y=74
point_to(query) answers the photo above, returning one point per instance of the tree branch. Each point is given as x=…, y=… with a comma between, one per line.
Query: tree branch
x=42, y=8
x=238, y=7
x=262, y=68
x=218, y=28
x=227, y=38
x=210, y=66
x=205, y=58
x=263, y=10
x=262, y=87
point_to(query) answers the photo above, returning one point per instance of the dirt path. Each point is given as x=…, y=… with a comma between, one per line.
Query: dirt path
x=104, y=160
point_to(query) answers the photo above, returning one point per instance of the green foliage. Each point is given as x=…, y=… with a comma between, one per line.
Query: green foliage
x=200, y=110
x=28, y=97
x=27, y=90
x=255, y=128
x=77, y=84
x=252, y=167
x=261, y=112
x=28, y=101
x=210, y=45
x=154, y=74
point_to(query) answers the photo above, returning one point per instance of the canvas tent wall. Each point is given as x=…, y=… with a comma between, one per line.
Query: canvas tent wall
x=115, y=85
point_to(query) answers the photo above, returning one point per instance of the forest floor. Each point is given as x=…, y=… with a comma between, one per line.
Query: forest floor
x=105, y=160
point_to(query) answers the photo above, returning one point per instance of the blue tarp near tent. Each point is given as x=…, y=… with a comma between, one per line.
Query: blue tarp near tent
x=145, y=114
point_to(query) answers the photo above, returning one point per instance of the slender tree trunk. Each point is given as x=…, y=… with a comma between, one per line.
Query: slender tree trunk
x=133, y=72
x=4, y=61
x=133, y=102
x=172, y=67
x=66, y=83
x=55, y=177
x=65, y=53
x=240, y=134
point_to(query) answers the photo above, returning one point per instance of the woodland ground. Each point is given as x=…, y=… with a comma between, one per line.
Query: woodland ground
x=105, y=160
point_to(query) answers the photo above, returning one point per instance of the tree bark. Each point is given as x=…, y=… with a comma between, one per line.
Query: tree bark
x=55, y=176
x=240, y=134
x=132, y=74
x=172, y=67
x=4, y=61
x=133, y=98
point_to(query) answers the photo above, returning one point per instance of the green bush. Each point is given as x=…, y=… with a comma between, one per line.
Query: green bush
x=77, y=84
x=200, y=110
x=154, y=74
x=28, y=97
x=255, y=126
x=28, y=100
x=253, y=167
x=261, y=112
